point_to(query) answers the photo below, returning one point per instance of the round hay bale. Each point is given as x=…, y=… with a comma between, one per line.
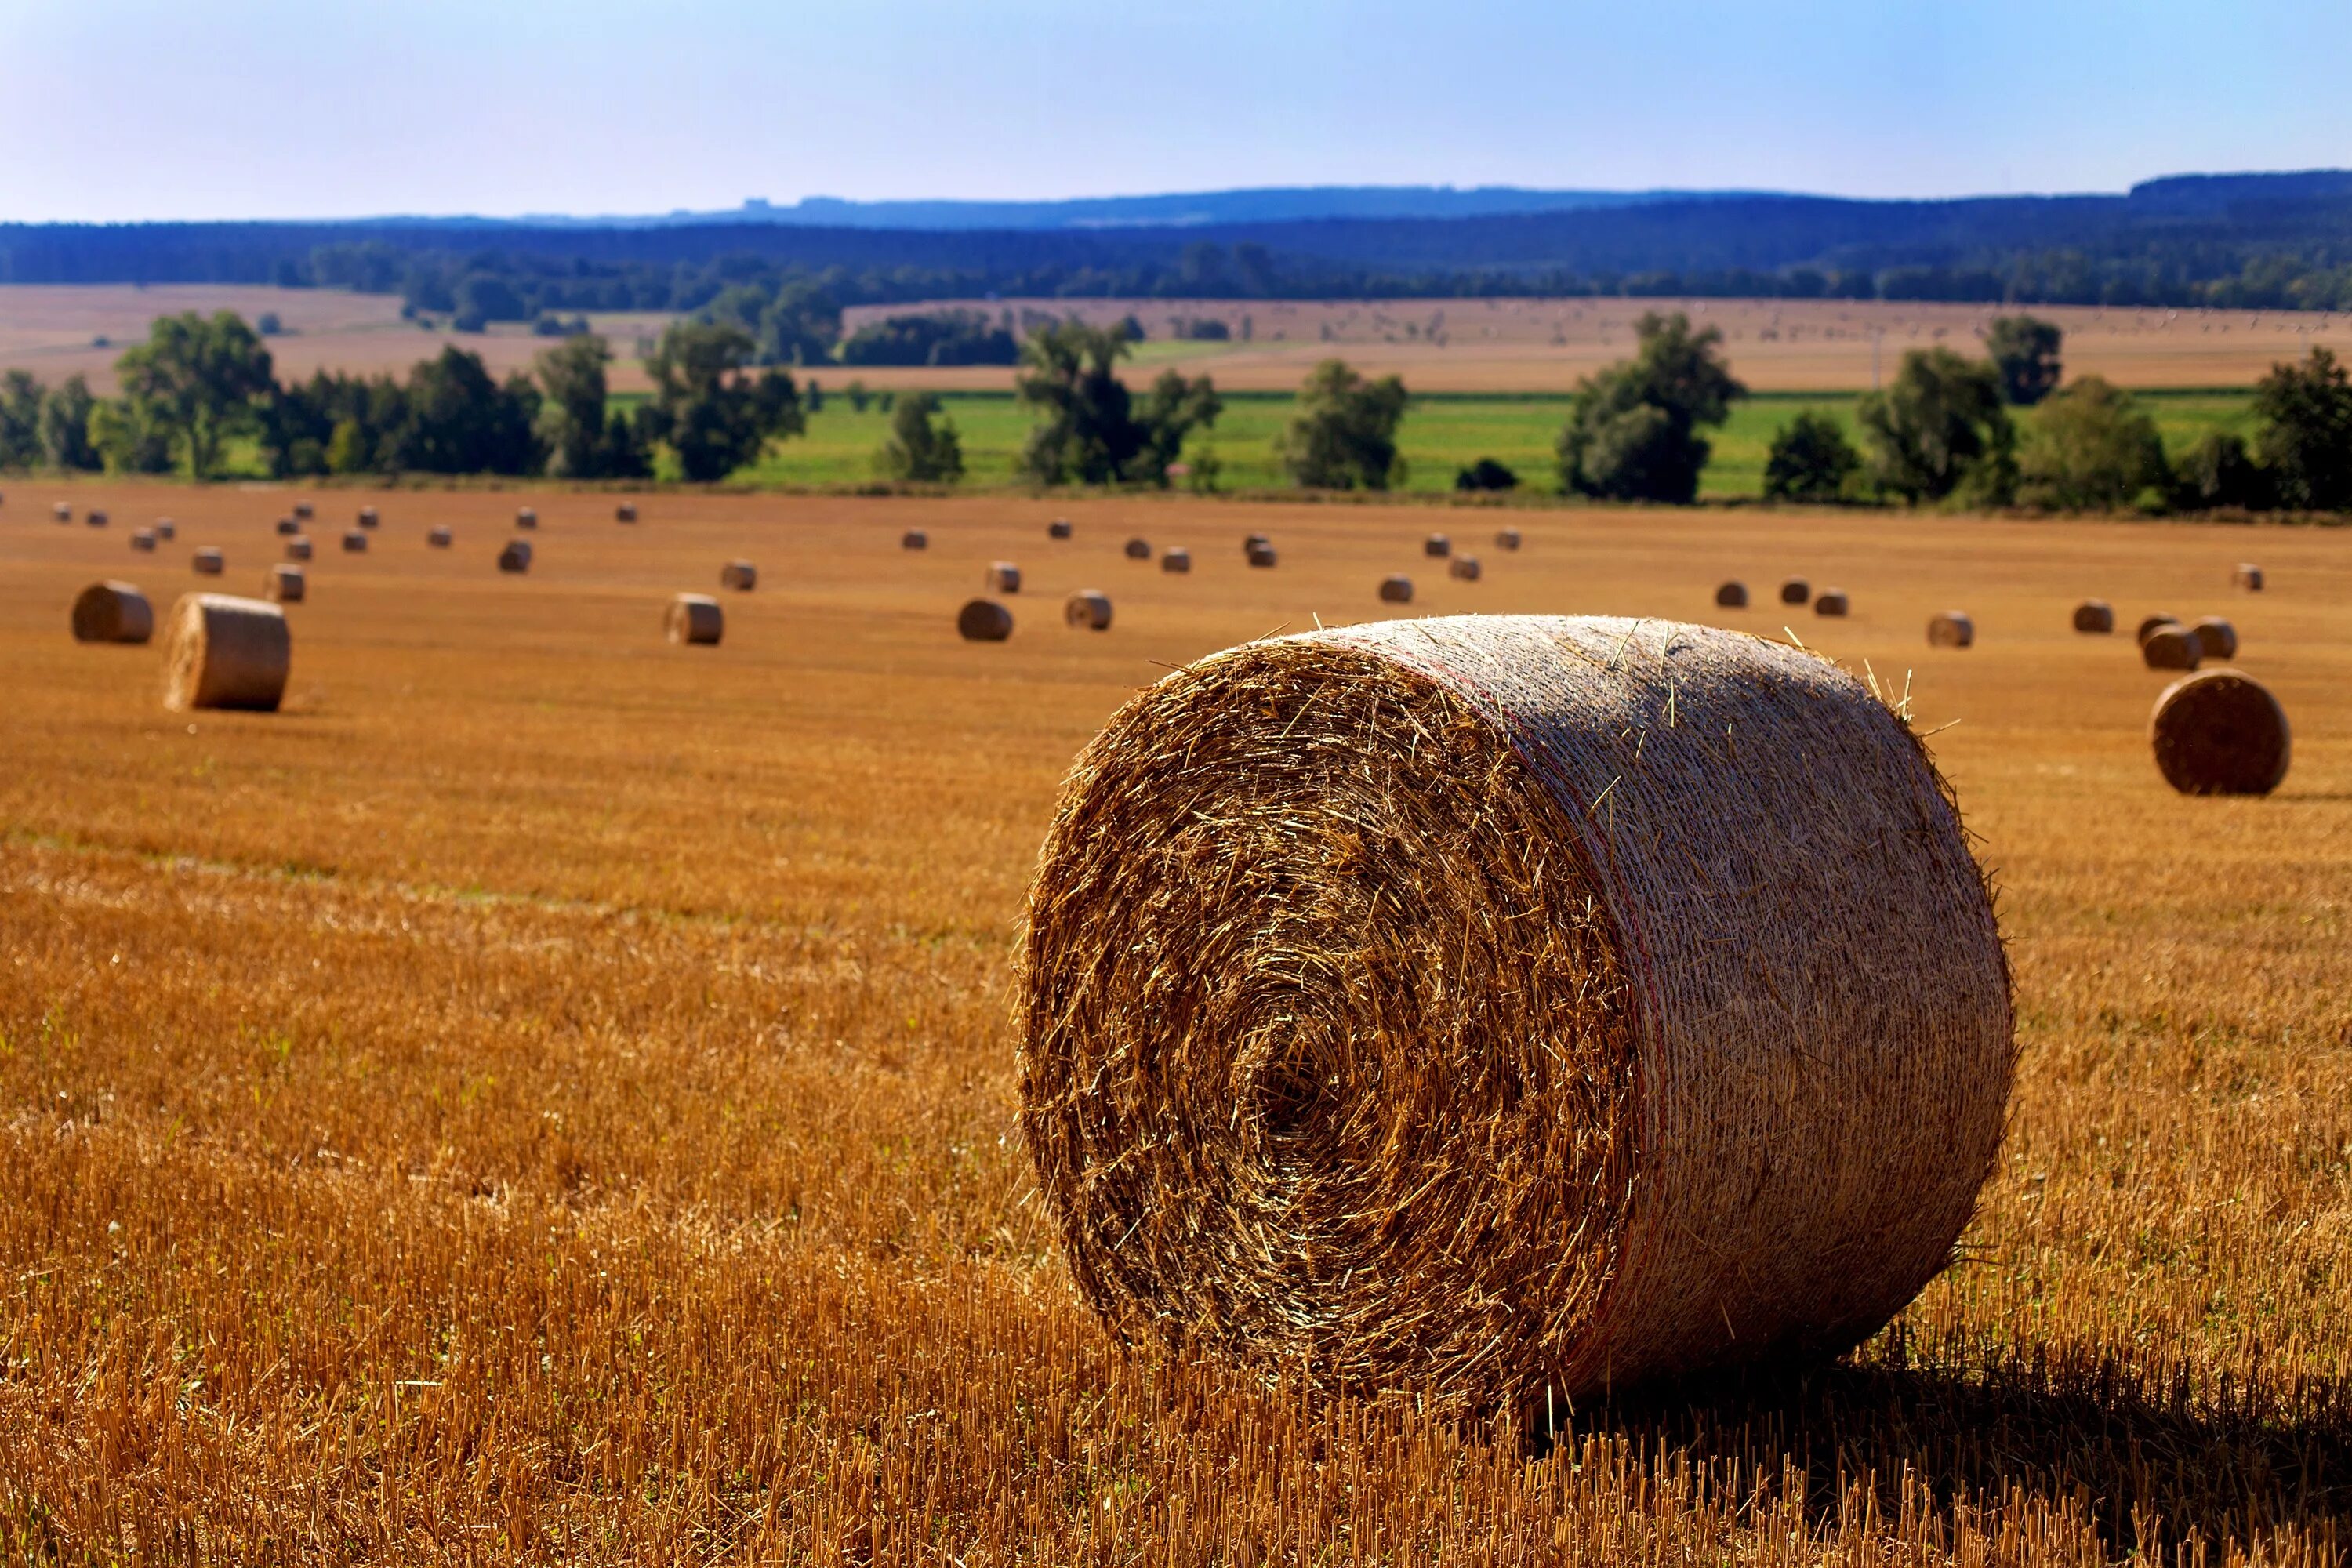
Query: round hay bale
x=1256, y=542
x=739, y=575
x=627, y=513
x=208, y=561
x=694, y=619
x=1952, y=628
x=2096, y=616
x=526, y=518
x=984, y=620
x=2152, y=625
x=299, y=548
x=1409, y=1006
x=2248, y=576
x=2216, y=638
x=166, y=529
x=1088, y=608
x=515, y=556
x=288, y=586
x=143, y=539
x=1138, y=550
x=1003, y=577
x=440, y=539
x=302, y=512
x=2220, y=732
x=61, y=512
x=2172, y=646
x=113, y=611
x=97, y=519
x=914, y=539
x=1262, y=556
x=368, y=517
x=1396, y=588
x=1832, y=602
x=1796, y=591
x=286, y=526
x=225, y=652
x=1437, y=547
x=1176, y=558
x=1465, y=567
x=1058, y=528
x=1731, y=595
x=355, y=543
x=1506, y=539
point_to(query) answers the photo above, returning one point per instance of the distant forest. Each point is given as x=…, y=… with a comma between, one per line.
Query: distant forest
x=2267, y=241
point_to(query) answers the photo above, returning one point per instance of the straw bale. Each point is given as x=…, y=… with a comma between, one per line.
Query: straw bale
x=1090, y=608
x=2220, y=732
x=208, y=561
x=1437, y=547
x=739, y=575
x=1952, y=628
x=1396, y=588
x=1731, y=595
x=1506, y=539
x=627, y=513
x=1796, y=591
x=515, y=556
x=302, y=512
x=694, y=618
x=297, y=548
x=286, y=526
x=1058, y=528
x=1489, y=1005
x=2095, y=616
x=369, y=517
x=288, y=584
x=113, y=611
x=1466, y=567
x=1262, y=556
x=1176, y=558
x=97, y=519
x=143, y=539
x=2152, y=625
x=1255, y=541
x=355, y=543
x=984, y=620
x=61, y=511
x=1003, y=577
x=2216, y=638
x=526, y=518
x=2172, y=646
x=440, y=538
x=1138, y=550
x=2248, y=576
x=1832, y=602
x=166, y=529
x=220, y=651
x=914, y=539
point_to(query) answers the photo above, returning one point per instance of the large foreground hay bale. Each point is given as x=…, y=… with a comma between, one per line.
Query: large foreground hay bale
x=2220, y=732
x=984, y=620
x=1465, y=567
x=526, y=518
x=208, y=561
x=143, y=540
x=299, y=548
x=1437, y=547
x=1731, y=595
x=1796, y=591
x=627, y=511
x=2152, y=625
x=1951, y=628
x=1001, y=578
x=1138, y=550
x=739, y=575
x=1396, y=588
x=2095, y=615
x=225, y=652
x=2216, y=638
x=354, y=541
x=440, y=538
x=1176, y=558
x=1058, y=528
x=914, y=539
x=2172, y=646
x=694, y=619
x=515, y=556
x=1088, y=608
x=288, y=586
x=1262, y=556
x=113, y=611
x=2248, y=576
x=1412, y=1005
x=1506, y=539
x=1832, y=602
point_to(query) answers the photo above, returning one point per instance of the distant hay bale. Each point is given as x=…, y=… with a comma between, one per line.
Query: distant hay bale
x=1138, y=550
x=694, y=619
x=143, y=539
x=1262, y=556
x=1507, y=1090
x=2216, y=638
x=2248, y=576
x=2220, y=732
x=984, y=620
x=515, y=556
x=441, y=539
x=302, y=512
x=1796, y=591
x=368, y=517
x=2095, y=615
x=355, y=543
x=526, y=518
x=166, y=529
x=739, y=575
x=208, y=561
x=1437, y=547
x=1731, y=595
x=2152, y=625
x=1003, y=577
x=1506, y=539
x=288, y=526
x=1176, y=558
x=225, y=652
x=1088, y=608
x=914, y=539
x=627, y=513
x=1832, y=602
x=2172, y=646
x=1465, y=567
x=1952, y=628
x=288, y=584
x=1255, y=541
x=97, y=519
x=61, y=511
x=1058, y=528
x=113, y=611
x=1396, y=588
x=299, y=548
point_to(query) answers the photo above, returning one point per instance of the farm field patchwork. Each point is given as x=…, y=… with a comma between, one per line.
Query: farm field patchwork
x=550, y=1094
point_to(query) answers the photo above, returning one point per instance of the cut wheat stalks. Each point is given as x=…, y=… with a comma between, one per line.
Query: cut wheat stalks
x=225, y=652
x=2220, y=732
x=694, y=619
x=113, y=611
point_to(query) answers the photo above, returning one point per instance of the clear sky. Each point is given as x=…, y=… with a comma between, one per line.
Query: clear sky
x=159, y=108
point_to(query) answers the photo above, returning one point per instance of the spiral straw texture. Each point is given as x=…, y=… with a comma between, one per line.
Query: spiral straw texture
x=1490, y=1004
x=2220, y=733
x=221, y=651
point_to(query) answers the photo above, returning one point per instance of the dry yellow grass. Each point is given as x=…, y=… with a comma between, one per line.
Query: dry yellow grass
x=541, y=1097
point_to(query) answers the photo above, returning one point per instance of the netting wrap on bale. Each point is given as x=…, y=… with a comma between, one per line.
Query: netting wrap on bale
x=694, y=619
x=1494, y=1004
x=113, y=611
x=225, y=652
x=2220, y=732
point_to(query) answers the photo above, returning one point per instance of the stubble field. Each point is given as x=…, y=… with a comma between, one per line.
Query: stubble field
x=550, y=1095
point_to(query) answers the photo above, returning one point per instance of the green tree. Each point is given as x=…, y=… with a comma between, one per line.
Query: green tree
x=1941, y=426
x=708, y=406
x=2220, y=471
x=199, y=381
x=2304, y=437
x=1092, y=432
x=2024, y=349
x=857, y=394
x=1343, y=435
x=125, y=441
x=2092, y=447
x=1811, y=460
x=1486, y=474
x=571, y=423
x=20, y=420
x=65, y=426
x=1632, y=432
x=923, y=445
x=460, y=421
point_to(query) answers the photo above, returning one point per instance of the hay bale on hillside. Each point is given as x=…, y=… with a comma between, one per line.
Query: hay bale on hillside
x=2096, y=616
x=1437, y=547
x=1506, y=539
x=97, y=518
x=1088, y=608
x=225, y=652
x=297, y=548
x=2152, y=625
x=286, y=527
x=2220, y=732
x=2216, y=638
x=739, y=575
x=515, y=556
x=302, y=512
x=2248, y=576
x=626, y=512
x=1176, y=558
x=1796, y=591
x=208, y=561
x=440, y=539
x=143, y=540
x=1952, y=628
x=1058, y=528
x=369, y=519
x=1356, y=1039
x=1262, y=556
x=113, y=611
x=288, y=586
x=2172, y=646
x=1731, y=595
x=1138, y=550
x=914, y=539
x=166, y=529
x=526, y=518
x=61, y=511
x=694, y=619
x=1396, y=588
x=1001, y=578
x=1832, y=602
x=1463, y=567
x=984, y=620
x=354, y=541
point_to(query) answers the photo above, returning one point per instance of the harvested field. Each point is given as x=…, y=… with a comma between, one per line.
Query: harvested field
x=540, y=1096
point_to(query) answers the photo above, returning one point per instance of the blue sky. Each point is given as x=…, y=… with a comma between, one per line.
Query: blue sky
x=138, y=109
